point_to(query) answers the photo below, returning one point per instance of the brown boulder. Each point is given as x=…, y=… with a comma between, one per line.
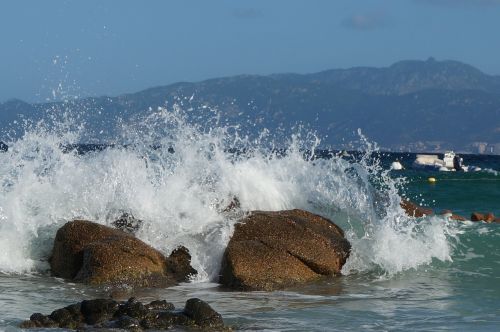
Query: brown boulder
x=96, y=254
x=272, y=250
x=489, y=217
x=414, y=210
x=476, y=216
x=457, y=217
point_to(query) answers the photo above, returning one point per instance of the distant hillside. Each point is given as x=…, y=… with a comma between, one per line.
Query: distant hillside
x=411, y=105
x=411, y=76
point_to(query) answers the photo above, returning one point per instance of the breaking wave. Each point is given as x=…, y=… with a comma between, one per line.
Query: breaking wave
x=177, y=175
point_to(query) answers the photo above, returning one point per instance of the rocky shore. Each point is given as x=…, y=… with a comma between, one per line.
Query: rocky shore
x=414, y=210
x=268, y=251
x=129, y=315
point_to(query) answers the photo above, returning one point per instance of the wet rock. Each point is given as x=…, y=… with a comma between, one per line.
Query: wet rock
x=179, y=264
x=3, y=147
x=476, y=216
x=124, y=261
x=133, y=308
x=488, y=217
x=70, y=241
x=38, y=320
x=130, y=315
x=166, y=320
x=96, y=254
x=452, y=216
x=203, y=314
x=127, y=223
x=68, y=317
x=272, y=250
x=98, y=310
x=127, y=323
x=160, y=305
x=233, y=205
x=414, y=210
x=457, y=217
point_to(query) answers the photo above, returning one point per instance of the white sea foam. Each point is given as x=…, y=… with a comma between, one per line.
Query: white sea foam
x=491, y=171
x=180, y=194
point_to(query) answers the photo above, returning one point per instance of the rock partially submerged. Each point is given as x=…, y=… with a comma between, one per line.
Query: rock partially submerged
x=127, y=223
x=452, y=216
x=96, y=254
x=414, y=210
x=487, y=217
x=272, y=250
x=130, y=315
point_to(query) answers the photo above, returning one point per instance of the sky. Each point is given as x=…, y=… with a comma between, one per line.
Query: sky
x=55, y=49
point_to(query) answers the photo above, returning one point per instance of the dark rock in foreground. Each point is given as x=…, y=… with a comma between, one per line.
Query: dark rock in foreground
x=130, y=315
x=96, y=254
x=272, y=250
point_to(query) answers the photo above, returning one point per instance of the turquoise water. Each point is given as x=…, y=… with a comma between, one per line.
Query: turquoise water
x=463, y=193
x=430, y=274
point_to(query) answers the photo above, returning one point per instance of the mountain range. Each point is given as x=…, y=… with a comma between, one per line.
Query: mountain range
x=409, y=106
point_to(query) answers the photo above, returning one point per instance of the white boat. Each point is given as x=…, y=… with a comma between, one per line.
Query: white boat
x=430, y=162
x=396, y=165
x=450, y=162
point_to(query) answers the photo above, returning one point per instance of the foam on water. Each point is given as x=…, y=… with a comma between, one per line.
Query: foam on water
x=178, y=176
x=491, y=171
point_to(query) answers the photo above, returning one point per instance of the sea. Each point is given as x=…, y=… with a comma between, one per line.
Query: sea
x=403, y=274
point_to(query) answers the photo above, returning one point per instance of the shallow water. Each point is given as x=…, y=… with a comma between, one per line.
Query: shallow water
x=451, y=296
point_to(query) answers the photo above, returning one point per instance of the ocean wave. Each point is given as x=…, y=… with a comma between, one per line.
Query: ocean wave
x=176, y=175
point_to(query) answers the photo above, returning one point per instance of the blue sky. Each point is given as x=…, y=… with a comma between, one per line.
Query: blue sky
x=96, y=47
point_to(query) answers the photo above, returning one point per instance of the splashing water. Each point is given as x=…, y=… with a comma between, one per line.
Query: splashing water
x=392, y=241
x=178, y=176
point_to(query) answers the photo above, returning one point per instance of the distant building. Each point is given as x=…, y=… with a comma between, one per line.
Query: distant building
x=479, y=147
x=495, y=148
